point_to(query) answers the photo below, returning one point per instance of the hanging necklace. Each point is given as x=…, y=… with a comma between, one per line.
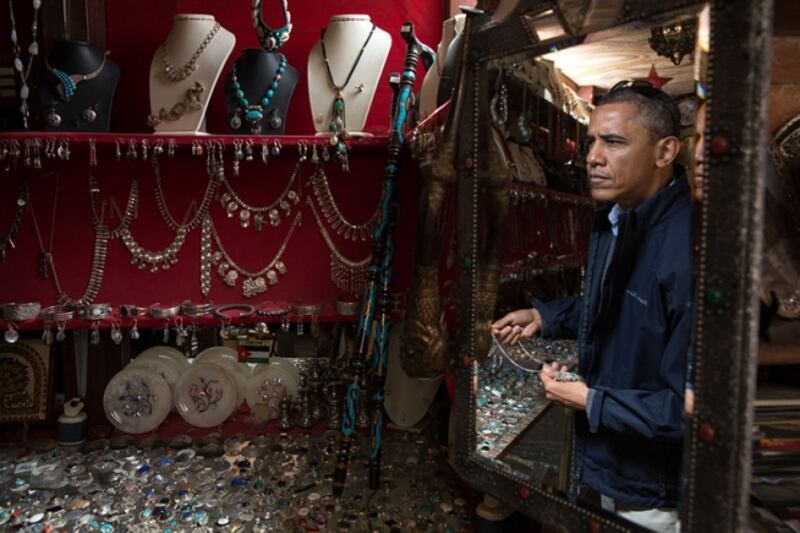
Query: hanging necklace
x=125, y=220
x=254, y=113
x=348, y=275
x=334, y=216
x=231, y=202
x=271, y=40
x=7, y=239
x=176, y=74
x=68, y=83
x=98, y=259
x=338, y=123
x=230, y=272
x=168, y=256
x=33, y=50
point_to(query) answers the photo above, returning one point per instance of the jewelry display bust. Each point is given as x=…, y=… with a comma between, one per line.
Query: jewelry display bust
x=184, y=72
x=429, y=93
x=76, y=87
x=258, y=90
x=356, y=51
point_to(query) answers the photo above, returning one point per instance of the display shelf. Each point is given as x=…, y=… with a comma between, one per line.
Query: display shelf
x=328, y=315
x=183, y=139
x=783, y=347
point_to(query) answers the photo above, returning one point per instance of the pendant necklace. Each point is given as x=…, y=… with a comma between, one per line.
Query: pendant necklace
x=271, y=40
x=338, y=123
x=254, y=113
x=33, y=50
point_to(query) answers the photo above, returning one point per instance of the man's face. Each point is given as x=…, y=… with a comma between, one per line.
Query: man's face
x=699, y=155
x=622, y=156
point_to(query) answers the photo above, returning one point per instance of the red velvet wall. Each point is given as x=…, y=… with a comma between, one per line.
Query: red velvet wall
x=135, y=29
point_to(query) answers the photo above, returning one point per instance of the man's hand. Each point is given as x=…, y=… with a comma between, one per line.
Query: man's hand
x=571, y=394
x=516, y=325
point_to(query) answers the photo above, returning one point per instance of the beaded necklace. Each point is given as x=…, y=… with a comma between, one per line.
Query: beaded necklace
x=68, y=83
x=338, y=118
x=254, y=113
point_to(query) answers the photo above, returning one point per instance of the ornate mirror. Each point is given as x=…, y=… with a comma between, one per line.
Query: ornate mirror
x=517, y=127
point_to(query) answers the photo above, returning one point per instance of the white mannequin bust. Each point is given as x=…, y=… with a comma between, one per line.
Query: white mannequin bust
x=430, y=85
x=344, y=38
x=186, y=36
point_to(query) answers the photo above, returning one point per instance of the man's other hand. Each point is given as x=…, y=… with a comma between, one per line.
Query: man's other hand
x=516, y=325
x=571, y=394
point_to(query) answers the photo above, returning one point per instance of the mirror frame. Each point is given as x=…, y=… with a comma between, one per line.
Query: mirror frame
x=717, y=446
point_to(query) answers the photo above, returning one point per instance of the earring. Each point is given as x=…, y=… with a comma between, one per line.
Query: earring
x=118, y=150
x=11, y=335
x=275, y=120
x=89, y=114
x=276, y=148
x=131, y=153
x=116, y=332
x=236, y=121
x=53, y=118
x=134, y=330
x=94, y=336
x=92, y=153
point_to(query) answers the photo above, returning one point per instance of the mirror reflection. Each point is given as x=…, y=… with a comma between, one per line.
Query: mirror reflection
x=584, y=387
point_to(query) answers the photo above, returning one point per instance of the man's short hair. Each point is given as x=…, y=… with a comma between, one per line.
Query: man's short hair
x=656, y=110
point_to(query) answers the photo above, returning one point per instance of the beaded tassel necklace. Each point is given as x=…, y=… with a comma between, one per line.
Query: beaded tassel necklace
x=338, y=117
x=254, y=113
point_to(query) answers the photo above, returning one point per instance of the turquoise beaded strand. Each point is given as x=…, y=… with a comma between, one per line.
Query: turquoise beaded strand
x=254, y=113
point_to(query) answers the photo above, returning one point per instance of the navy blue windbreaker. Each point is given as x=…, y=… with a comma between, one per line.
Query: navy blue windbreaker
x=633, y=337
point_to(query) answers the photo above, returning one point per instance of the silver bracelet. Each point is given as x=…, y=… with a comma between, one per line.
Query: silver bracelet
x=274, y=309
x=307, y=309
x=156, y=311
x=21, y=312
x=95, y=311
x=130, y=311
x=348, y=308
x=57, y=313
x=246, y=311
x=190, y=309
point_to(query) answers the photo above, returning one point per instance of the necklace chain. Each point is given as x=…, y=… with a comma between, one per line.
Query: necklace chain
x=8, y=237
x=341, y=87
x=230, y=271
x=217, y=175
x=176, y=74
x=348, y=275
x=131, y=208
x=98, y=259
x=33, y=50
x=333, y=215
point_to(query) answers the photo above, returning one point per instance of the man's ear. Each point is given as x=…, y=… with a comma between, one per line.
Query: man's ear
x=666, y=151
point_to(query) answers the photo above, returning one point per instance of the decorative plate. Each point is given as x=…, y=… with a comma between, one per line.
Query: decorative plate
x=137, y=400
x=205, y=395
x=266, y=387
x=163, y=352
x=228, y=359
x=165, y=368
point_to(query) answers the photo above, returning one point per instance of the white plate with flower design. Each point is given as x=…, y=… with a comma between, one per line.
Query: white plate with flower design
x=205, y=395
x=137, y=400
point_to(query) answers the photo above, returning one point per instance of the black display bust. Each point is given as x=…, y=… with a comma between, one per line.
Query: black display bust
x=87, y=105
x=255, y=71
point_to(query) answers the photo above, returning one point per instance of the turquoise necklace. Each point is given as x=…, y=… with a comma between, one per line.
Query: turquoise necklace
x=254, y=113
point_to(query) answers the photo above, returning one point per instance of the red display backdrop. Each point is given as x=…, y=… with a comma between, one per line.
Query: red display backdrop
x=135, y=29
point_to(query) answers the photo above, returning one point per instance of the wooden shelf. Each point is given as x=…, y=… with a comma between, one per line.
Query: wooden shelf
x=784, y=345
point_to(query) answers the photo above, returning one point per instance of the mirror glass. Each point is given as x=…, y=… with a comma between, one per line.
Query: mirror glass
x=541, y=107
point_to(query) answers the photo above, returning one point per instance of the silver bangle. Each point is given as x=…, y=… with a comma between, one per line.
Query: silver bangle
x=307, y=309
x=274, y=309
x=21, y=312
x=190, y=309
x=246, y=311
x=95, y=311
x=57, y=313
x=130, y=311
x=348, y=307
x=156, y=311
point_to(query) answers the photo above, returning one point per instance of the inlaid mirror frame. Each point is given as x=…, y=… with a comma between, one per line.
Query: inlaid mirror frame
x=717, y=446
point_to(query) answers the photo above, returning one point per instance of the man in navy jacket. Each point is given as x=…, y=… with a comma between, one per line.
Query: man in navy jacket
x=633, y=322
